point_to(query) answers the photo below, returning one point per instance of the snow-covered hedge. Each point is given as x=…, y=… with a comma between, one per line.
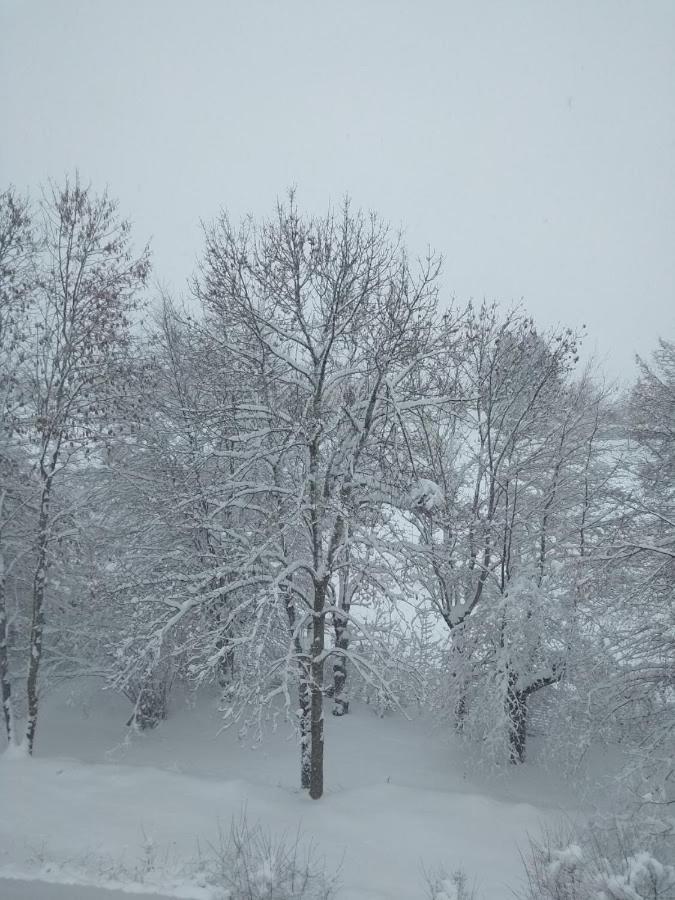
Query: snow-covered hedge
x=627, y=860
x=250, y=864
x=444, y=886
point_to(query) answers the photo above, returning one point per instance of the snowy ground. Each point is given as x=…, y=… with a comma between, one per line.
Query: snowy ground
x=92, y=809
x=29, y=889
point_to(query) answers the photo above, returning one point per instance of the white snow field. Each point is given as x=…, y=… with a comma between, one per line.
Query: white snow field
x=90, y=809
x=29, y=889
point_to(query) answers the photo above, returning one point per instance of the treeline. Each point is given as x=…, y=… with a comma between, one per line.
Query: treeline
x=311, y=479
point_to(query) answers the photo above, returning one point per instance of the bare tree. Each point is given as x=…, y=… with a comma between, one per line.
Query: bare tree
x=17, y=273
x=497, y=509
x=322, y=324
x=639, y=570
x=174, y=525
x=74, y=365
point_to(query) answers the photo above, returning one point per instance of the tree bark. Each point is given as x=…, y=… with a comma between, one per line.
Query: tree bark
x=316, y=691
x=516, y=703
x=341, y=628
x=458, y=678
x=38, y=615
x=223, y=642
x=304, y=693
x=5, y=682
x=304, y=700
x=340, y=697
x=517, y=714
x=460, y=712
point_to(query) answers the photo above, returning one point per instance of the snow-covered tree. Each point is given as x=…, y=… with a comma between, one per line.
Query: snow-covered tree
x=639, y=570
x=172, y=529
x=329, y=323
x=17, y=275
x=314, y=331
x=71, y=371
x=502, y=509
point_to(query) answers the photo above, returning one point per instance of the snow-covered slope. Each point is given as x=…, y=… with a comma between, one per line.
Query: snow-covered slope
x=398, y=800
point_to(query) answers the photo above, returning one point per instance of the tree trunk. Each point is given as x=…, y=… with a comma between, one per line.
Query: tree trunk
x=340, y=697
x=316, y=733
x=304, y=693
x=151, y=701
x=517, y=716
x=316, y=691
x=38, y=615
x=458, y=680
x=517, y=701
x=5, y=683
x=304, y=698
x=225, y=649
x=341, y=627
x=460, y=712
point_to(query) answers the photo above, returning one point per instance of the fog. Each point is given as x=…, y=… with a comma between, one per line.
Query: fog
x=532, y=143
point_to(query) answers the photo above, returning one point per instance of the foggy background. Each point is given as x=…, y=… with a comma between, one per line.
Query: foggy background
x=531, y=142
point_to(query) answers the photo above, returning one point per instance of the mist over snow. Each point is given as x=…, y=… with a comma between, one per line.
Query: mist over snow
x=337, y=514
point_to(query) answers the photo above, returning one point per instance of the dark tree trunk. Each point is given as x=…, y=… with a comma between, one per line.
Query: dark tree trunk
x=340, y=698
x=217, y=611
x=517, y=715
x=316, y=748
x=517, y=708
x=458, y=679
x=316, y=691
x=5, y=682
x=226, y=663
x=341, y=627
x=38, y=615
x=304, y=693
x=225, y=654
x=150, y=704
x=304, y=698
x=460, y=712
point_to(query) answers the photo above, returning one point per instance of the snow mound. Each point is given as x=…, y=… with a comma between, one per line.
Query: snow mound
x=426, y=495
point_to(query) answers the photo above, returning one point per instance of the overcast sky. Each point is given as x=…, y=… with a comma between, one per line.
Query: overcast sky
x=532, y=142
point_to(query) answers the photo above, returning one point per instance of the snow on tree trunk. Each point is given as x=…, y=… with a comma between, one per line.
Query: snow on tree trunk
x=223, y=643
x=316, y=690
x=304, y=716
x=316, y=746
x=5, y=682
x=516, y=703
x=316, y=331
x=38, y=615
x=151, y=700
x=460, y=712
x=304, y=694
x=341, y=628
x=340, y=696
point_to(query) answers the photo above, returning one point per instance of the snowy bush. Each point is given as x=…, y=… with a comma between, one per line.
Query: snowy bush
x=251, y=864
x=624, y=861
x=441, y=886
x=149, y=692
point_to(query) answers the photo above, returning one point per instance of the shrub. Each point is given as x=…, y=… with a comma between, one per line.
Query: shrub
x=441, y=886
x=619, y=861
x=251, y=864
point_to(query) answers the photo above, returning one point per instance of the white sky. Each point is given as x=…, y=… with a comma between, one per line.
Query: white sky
x=532, y=142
